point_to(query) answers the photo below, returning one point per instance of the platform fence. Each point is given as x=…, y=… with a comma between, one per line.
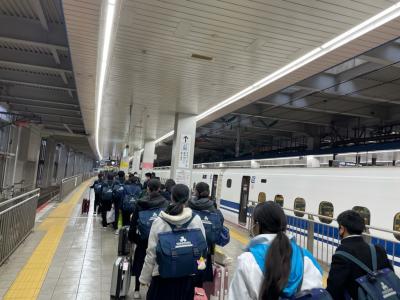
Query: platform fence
x=68, y=184
x=17, y=219
x=322, y=239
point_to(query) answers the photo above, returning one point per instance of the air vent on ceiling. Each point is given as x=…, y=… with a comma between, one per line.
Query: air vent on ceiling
x=199, y=56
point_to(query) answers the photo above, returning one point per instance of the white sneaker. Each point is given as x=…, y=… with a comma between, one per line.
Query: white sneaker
x=136, y=295
x=116, y=232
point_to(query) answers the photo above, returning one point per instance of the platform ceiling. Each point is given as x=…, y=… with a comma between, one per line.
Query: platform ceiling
x=37, y=82
x=156, y=69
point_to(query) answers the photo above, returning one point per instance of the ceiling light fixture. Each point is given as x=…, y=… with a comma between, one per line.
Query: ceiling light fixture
x=109, y=21
x=355, y=32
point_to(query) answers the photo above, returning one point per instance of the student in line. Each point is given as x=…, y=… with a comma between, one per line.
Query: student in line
x=208, y=212
x=181, y=288
x=342, y=275
x=274, y=265
x=142, y=215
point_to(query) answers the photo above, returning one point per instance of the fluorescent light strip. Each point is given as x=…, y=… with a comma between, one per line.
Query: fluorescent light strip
x=374, y=22
x=355, y=32
x=165, y=136
x=103, y=66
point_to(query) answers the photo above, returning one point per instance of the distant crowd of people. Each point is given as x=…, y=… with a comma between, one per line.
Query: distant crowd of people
x=272, y=266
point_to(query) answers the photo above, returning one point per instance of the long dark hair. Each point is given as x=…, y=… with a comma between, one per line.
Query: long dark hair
x=179, y=197
x=271, y=219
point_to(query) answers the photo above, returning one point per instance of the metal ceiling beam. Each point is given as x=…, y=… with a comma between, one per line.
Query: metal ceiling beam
x=47, y=114
x=286, y=101
x=39, y=85
x=28, y=29
x=68, y=128
x=282, y=119
x=22, y=100
x=45, y=107
x=35, y=67
x=37, y=6
x=387, y=55
x=28, y=42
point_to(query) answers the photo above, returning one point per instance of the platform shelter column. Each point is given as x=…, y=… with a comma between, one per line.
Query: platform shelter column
x=136, y=161
x=183, y=148
x=148, y=156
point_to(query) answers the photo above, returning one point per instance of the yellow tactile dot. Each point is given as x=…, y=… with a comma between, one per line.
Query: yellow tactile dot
x=29, y=281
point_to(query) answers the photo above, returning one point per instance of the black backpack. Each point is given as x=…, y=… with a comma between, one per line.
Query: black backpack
x=376, y=284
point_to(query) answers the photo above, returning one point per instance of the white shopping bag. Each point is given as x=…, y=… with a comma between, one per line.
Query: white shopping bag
x=111, y=216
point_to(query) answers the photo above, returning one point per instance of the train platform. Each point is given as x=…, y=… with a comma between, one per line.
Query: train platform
x=70, y=256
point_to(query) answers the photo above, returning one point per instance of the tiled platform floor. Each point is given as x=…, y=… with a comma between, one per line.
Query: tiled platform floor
x=82, y=265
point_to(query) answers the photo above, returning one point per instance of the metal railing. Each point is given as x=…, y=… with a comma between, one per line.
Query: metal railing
x=17, y=219
x=68, y=184
x=322, y=239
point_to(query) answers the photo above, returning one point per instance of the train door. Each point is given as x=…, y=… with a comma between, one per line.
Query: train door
x=244, y=199
x=214, y=187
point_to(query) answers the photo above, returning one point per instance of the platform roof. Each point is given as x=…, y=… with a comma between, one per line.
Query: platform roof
x=37, y=81
x=188, y=56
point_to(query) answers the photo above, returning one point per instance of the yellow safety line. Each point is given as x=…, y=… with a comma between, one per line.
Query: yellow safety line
x=29, y=281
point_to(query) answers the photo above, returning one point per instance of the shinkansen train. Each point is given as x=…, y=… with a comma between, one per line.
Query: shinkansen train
x=323, y=192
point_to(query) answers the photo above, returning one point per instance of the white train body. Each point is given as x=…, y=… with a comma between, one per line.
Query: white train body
x=377, y=189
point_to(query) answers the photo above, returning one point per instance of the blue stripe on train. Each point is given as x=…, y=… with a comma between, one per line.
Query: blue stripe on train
x=327, y=232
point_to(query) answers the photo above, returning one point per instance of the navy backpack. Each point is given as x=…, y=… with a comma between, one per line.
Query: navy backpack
x=119, y=191
x=107, y=195
x=97, y=187
x=212, y=224
x=146, y=219
x=179, y=250
x=376, y=284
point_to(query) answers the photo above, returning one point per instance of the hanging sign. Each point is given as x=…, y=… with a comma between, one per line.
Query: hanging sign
x=184, y=151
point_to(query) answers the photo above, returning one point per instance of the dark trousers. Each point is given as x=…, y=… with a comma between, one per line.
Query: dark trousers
x=126, y=218
x=116, y=207
x=96, y=203
x=103, y=216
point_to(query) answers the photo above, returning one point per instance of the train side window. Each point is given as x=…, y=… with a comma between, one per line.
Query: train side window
x=299, y=204
x=229, y=183
x=279, y=199
x=262, y=197
x=325, y=209
x=396, y=225
x=364, y=213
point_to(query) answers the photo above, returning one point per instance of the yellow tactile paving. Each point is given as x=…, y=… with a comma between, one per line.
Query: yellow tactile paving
x=29, y=281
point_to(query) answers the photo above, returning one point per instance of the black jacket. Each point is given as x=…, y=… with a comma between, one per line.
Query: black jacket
x=153, y=200
x=343, y=273
x=205, y=204
x=96, y=182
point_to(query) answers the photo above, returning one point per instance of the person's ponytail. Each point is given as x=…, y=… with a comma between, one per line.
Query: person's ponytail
x=179, y=196
x=277, y=267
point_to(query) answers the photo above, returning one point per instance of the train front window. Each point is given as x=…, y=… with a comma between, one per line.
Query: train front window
x=299, y=204
x=364, y=213
x=262, y=197
x=279, y=199
x=396, y=225
x=326, y=209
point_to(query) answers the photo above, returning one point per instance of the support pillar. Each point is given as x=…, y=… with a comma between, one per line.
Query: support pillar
x=136, y=161
x=183, y=148
x=148, y=156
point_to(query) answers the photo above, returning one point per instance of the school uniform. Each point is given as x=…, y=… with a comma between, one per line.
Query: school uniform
x=181, y=288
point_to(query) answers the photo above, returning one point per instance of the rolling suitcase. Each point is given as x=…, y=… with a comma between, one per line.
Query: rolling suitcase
x=86, y=205
x=220, y=286
x=124, y=245
x=121, y=278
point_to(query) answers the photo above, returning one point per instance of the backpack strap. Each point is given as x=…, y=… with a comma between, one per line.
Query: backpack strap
x=373, y=257
x=183, y=226
x=355, y=260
